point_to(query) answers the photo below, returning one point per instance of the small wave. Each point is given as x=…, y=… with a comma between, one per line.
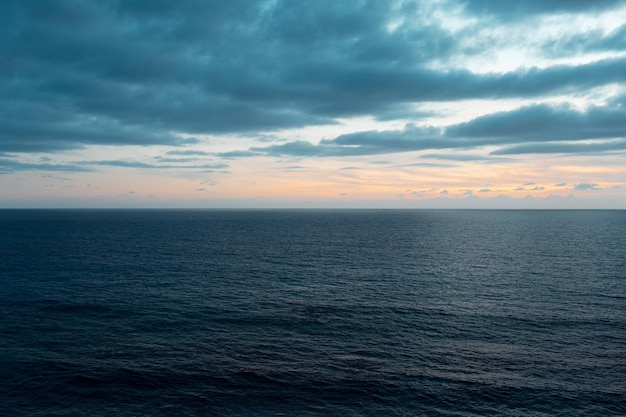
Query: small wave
x=616, y=296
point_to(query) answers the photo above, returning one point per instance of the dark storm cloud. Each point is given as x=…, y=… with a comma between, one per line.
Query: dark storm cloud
x=81, y=72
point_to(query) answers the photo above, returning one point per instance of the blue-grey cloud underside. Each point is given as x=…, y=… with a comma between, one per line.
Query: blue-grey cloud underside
x=513, y=10
x=137, y=164
x=9, y=165
x=84, y=72
x=539, y=128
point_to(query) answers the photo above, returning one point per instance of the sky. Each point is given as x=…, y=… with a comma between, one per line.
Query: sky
x=313, y=104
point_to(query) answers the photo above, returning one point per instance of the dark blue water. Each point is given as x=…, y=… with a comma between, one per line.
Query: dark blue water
x=312, y=313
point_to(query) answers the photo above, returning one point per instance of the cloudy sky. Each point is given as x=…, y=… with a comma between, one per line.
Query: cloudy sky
x=289, y=103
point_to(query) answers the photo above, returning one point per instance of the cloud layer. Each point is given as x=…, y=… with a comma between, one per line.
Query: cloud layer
x=85, y=72
x=533, y=129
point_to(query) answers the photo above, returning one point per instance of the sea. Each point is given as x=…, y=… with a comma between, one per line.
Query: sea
x=312, y=313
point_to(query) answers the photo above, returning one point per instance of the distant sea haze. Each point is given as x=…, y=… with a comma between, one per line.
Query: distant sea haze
x=312, y=313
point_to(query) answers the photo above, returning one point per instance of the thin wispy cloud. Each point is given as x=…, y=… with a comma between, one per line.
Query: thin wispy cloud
x=9, y=165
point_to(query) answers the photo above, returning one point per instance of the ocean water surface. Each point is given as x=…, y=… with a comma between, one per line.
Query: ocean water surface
x=312, y=313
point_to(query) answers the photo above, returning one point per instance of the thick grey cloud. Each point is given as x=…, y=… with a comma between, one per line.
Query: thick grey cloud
x=28, y=127
x=540, y=128
x=81, y=72
x=545, y=122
